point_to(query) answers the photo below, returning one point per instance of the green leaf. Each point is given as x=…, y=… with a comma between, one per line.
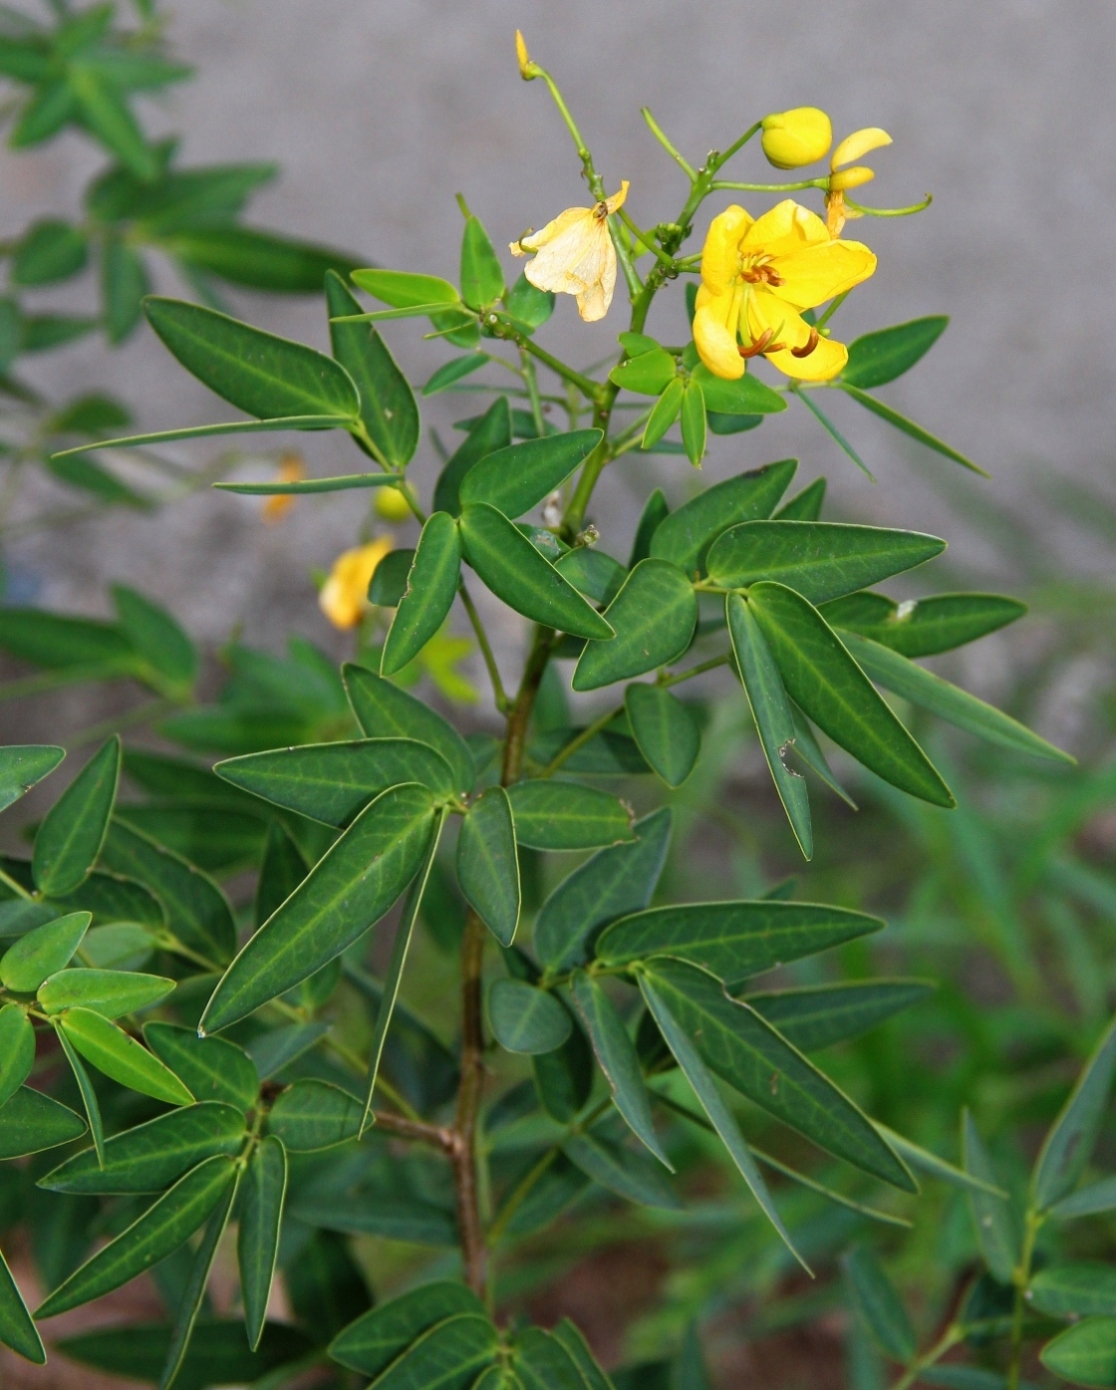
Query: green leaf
x=384, y=711
x=257, y=259
x=908, y=427
x=152, y=1156
x=310, y=1115
x=526, y=1019
x=880, y=357
x=124, y=286
x=453, y=371
x=647, y=373
x=112, y=993
x=541, y=1361
x=1069, y=1144
x=259, y=373
x=693, y=422
x=733, y=939
x=448, y=1356
x=159, y=639
x=403, y=290
x=514, y=570
x=387, y=403
x=805, y=505
x=487, y=864
x=167, y=1224
x=614, y=882
x=818, y=1016
x=482, y=278
x=745, y=396
x=995, y=1219
x=491, y=432
x=108, y=116
x=807, y=399
x=744, y=1050
x=653, y=615
x=70, y=838
x=333, y=782
x=949, y=702
x=617, y=1058
x=592, y=573
x=807, y=748
x=371, y=1343
x=283, y=422
x=527, y=305
x=273, y=1050
x=664, y=413
x=664, y=730
x=818, y=559
x=933, y=1166
x=517, y=478
x=24, y=765
x=113, y=899
x=17, y=1050
x=1084, y=1354
x=1087, y=1201
x=431, y=586
x=31, y=1122
x=826, y=682
x=771, y=712
x=257, y=1246
x=349, y=889
x=564, y=1078
x=1074, y=1290
x=685, y=536
x=120, y=1057
x=17, y=1330
x=89, y=1101
x=219, y=1354
x=926, y=626
x=389, y=578
x=878, y=1304
x=60, y=643
x=48, y=251
x=564, y=815
x=43, y=951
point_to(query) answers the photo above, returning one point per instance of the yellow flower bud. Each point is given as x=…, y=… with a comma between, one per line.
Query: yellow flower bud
x=525, y=64
x=392, y=505
x=851, y=178
x=344, y=595
x=794, y=138
x=858, y=144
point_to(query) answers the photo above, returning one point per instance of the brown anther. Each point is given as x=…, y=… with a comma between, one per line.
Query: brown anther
x=808, y=347
x=762, y=344
x=762, y=275
x=600, y=211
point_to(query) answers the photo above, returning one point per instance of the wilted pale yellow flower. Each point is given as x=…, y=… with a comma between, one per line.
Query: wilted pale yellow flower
x=793, y=138
x=574, y=255
x=344, y=595
x=851, y=148
x=291, y=470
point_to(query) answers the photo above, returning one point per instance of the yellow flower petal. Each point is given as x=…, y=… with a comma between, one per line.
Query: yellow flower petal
x=855, y=177
x=766, y=312
x=824, y=363
x=574, y=255
x=858, y=144
x=344, y=595
x=618, y=199
x=715, y=340
x=820, y=272
x=721, y=253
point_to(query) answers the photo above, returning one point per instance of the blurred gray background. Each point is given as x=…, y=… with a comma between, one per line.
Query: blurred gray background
x=380, y=112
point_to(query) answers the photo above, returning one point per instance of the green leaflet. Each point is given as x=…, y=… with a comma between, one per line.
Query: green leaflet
x=120, y=1057
x=334, y=782
x=261, y=1217
x=923, y=628
x=733, y=940
x=349, y=889
x=617, y=1058
x=42, y=951
x=648, y=373
x=114, y=900
x=542, y=1362
x=166, y=1225
x=70, y=838
x=664, y=413
x=514, y=570
x=60, y=643
x=772, y=714
x=818, y=559
x=17, y=1330
x=378, y=1211
x=1074, y=1290
x=431, y=585
x=212, y=1068
x=808, y=749
x=627, y=1172
x=404, y=290
x=90, y=1104
x=448, y=1356
x=389, y=580
x=257, y=259
x=281, y=422
x=877, y=1303
x=22, y=766
x=387, y=403
x=529, y=306
x=805, y=505
x=384, y=711
x=371, y=1343
x=880, y=357
x=492, y=431
x=684, y=536
x=744, y=1050
x=519, y=477
x=565, y=815
x=1084, y=1354
x=1069, y=1145
x=592, y=573
x=50, y=250
x=526, y=1019
x=908, y=427
x=1086, y=1201
x=949, y=702
x=276, y=1048
x=693, y=422
x=112, y=993
x=482, y=279
x=488, y=866
x=664, y=730
x=282, y=870
x=564, y=1078
x=747, y=395
x=17, y=1051
x=653, y=615
x=819, y=1016
x=995, y=1219
x=259, y=373
x=31, y=1122
x=830, y=687
x=311, y=1115
x=219, y=1354
x=158, y=638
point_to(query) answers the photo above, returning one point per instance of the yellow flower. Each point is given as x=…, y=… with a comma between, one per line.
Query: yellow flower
x=291, y=470
x=344, y=595
x=756, y=277
x=851, y=148
x=793, y=138
x=575, y=255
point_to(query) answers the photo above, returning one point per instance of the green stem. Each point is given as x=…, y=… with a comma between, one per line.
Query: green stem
x=579, y=741
x=142, y=714
x=590, y=389
x=17, y=888
x=498, y=691
x=718, y=185
x=946, y=1342
x=646, y=241
x=531, y=381
x=660, y=135
x=676, y=678
x=1021, y=1278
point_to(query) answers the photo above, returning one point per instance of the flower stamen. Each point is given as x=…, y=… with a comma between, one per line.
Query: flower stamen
x=807, y=347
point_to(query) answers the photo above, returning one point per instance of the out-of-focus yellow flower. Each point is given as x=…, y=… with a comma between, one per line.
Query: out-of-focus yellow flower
x=392, y=505
x=574, y=255
x=757, y=275
x=851, y=148
x=793, y=138
x=344, y=595
x=291, y=470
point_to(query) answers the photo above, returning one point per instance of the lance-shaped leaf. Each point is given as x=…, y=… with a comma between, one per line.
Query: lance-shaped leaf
x=878, y=1304
x=387, y=403
x=491, y=432
x=274, y=1050
x=90, y=1104
x=31, y=1122
x=880, y=357
x=565, y=815
x=488, y=866
x=404, y=290
x=22, y=766
x=281, y=422
x=694, y=422
x=151, y=1156
x=720, y=1116
x=1074, y=1290
x=1084, y=1354
x=220, y=1352
x=617, y=1058
x=159, y=639
x=934, y=1167
x=654, y=616
x=259, y=373
x=747, y=395
x=627, y=1172
x=733, y=940
x=70, y=838
x=744, y=1050
x=592, y=1376
x=515, y=572
x=995, y=1219
x=771, y=712
x=334, y=782
x=17, y=1330
x=43, y=951
x=349, y=889
x=685, y=536
x=1086, y=1201
x=908, y=427
x=384, y=711
x=1069, y=1145
x=822, y=1015
x=665, y=731
x=164, y=1226
x=311, y=1115
x=431, y=585
x=112, y=993
x=120, y=1057
x=515, y=479
x=926, y=626
x=647, y=372
x=17, y=1051
x=261, y=1217
x=592, y=573
x=949, y=702
x=371, y=1343
x=525, y=1018
x=805, y=505
x=540, y=1361
x=822, y=678
x=664, y=413
x=482, y=279
x=808, y=749
x=451, y=1354
x=212, y=1068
